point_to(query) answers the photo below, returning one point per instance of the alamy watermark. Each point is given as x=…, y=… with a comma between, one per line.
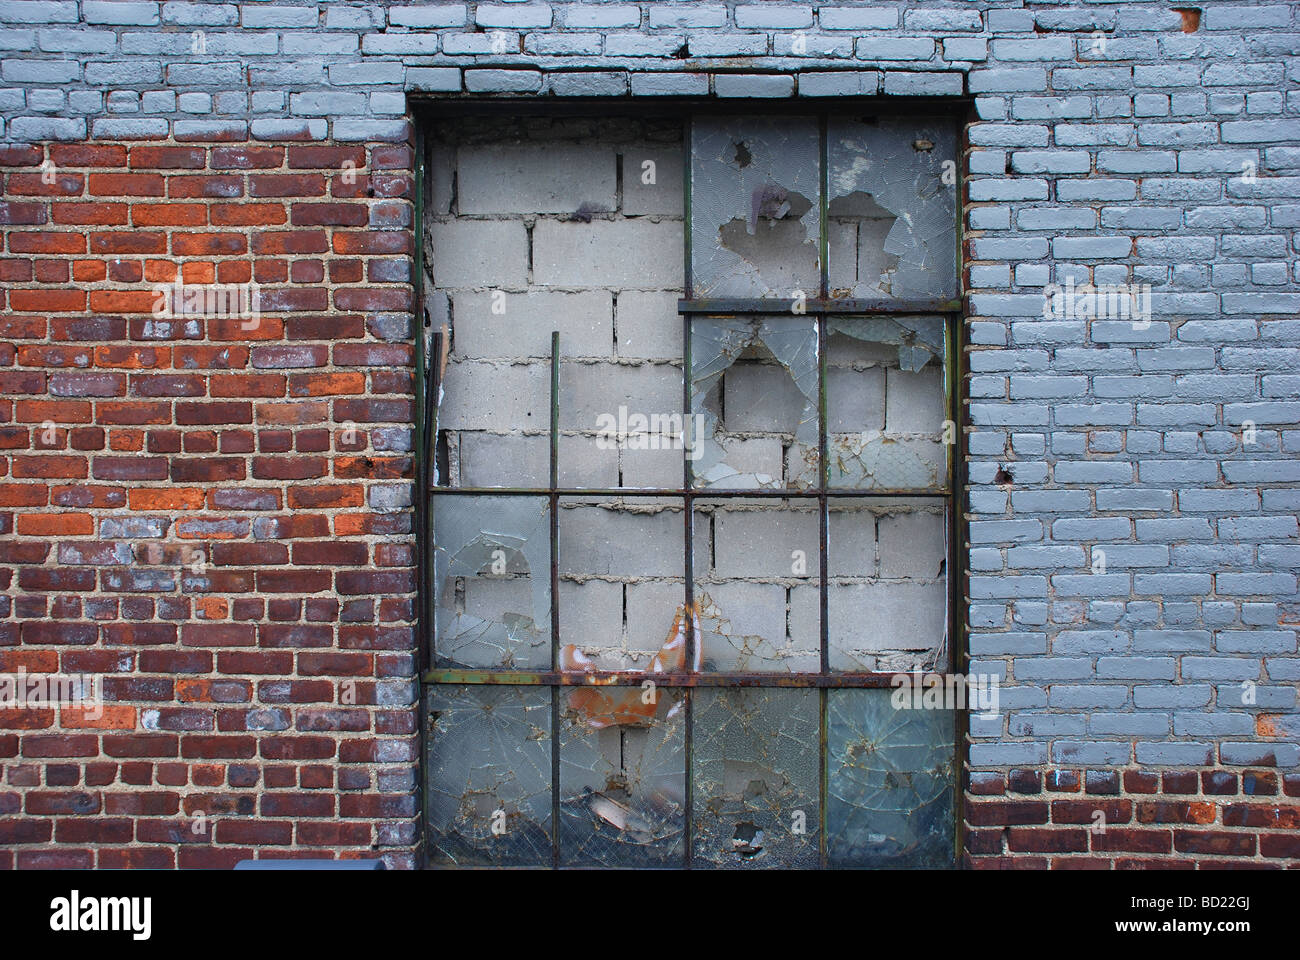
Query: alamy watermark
x=1119, y=301
x=656, y=431
x=41, y=691
x=938, y=691
x=242, y=301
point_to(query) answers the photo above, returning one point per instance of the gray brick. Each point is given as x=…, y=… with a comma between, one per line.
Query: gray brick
x=118, y=13
x=688, y=15
x=513, y=15
x=753, y=85
x=428, y=15
x=503, y=81
x=47, y=128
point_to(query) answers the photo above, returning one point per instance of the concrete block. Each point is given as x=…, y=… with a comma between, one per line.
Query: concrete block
x=635, y=254
x=480, y=253
x=912, y=545
x=488, y=324
x=534, y=178
x=652, y=180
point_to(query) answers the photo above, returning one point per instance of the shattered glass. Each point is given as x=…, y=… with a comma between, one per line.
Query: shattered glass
x=755, y=770
x=755, y=207
x=754, y=402
x=890, y=783
x=887, y=589
x=757, y=570
x=892, y=209
x=886, y=404
x=489, y=775
x=492, y=584
x=622, y=783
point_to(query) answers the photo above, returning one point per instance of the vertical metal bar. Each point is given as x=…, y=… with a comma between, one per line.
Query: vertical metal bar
x=823, y=476
x=554, y=506
x=688, y=500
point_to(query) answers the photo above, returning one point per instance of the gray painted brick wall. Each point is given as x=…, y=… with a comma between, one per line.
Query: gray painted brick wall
x=1135, y=583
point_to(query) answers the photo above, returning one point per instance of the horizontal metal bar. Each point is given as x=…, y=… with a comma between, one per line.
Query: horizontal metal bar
x=699, y=493
x=551, y=678
x=727, y=305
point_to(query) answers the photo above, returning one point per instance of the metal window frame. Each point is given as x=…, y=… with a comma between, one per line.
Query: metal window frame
x=820, y=308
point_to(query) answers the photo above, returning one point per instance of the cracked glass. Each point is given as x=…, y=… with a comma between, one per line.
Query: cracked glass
x=756, y=778
x=491, y=563
x=755, y=211
x=622, y=777
x=489, y=775
x=890, y=780
x=754, y=402
x=887, y=425
x=892, y=208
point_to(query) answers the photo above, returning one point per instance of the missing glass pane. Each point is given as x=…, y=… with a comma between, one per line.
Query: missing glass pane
x=890, y=776
x=757, y=569
x=489, y=775
x=491, y=563
x=755, y=207
x=887, y=589
x=754, y=402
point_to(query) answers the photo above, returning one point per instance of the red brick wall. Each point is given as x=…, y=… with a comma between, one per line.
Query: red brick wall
x=1150, y=820
x=213, y=518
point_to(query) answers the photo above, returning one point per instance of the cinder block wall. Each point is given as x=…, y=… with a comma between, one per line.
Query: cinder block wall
x=1117, y=143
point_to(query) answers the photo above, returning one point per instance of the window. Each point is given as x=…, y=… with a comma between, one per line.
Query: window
x=684, y=532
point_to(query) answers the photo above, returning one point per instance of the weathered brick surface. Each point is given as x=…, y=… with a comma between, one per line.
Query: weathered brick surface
x=198, y=508
x=1133, y=540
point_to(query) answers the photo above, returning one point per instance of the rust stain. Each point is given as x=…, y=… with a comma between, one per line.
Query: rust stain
x=1266, y=725
x=1191, y=18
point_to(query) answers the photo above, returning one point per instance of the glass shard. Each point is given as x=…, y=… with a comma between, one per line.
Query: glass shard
x=754, y=402
x=755, y=769
x=890, y=776
x=886, y=405
x=892, y=209
x=489, y=776
x=622, y=784
x=755, y=207
x=492, y=583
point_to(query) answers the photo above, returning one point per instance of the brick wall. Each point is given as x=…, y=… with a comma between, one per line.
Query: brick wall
x=210, y=511
x=1121, y=143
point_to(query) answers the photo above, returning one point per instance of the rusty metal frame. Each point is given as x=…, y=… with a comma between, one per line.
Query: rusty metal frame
x=819, y=309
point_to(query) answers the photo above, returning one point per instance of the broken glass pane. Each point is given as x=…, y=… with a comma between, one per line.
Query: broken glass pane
x=892, y=214
x=622, y=581
x=492, y=582
x=754, y=402
x=489, y=775
x=622, y=776
x=755, y=769
x=757, y=570
x=890, y=775
x=887, y=424
x=887, y=589
x=755, y=207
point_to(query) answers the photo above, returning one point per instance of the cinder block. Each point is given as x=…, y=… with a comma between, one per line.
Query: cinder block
x=867, y=619
x=591, y=391
x=914, y=401
x=652, y=180
x=651, y=608
x=495, y=396
x=499, y=324
x=912, y=545
x=649, y=326
x=480, y=253
x=494, y=460
x=591, y=616
x=535, y=178
x=761, y=398
x=621, y=542
x=762, y=543
x=855, y=399
x=626, y=254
